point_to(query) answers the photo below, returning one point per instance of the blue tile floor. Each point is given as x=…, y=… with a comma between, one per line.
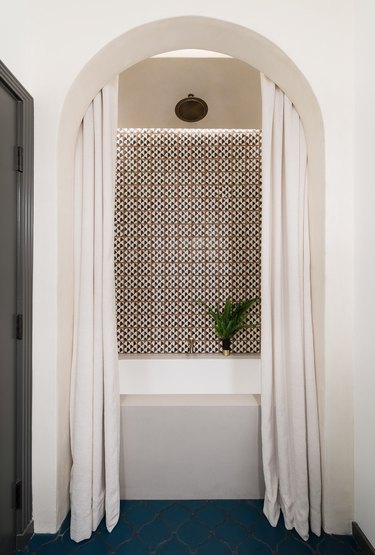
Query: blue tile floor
x=191, y=528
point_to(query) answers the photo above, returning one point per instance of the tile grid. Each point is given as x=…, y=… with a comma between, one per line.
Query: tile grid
x=187, y=226
x=199, y=527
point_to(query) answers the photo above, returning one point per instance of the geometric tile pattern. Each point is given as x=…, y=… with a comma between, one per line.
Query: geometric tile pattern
x=187, y=227
x=197, y=527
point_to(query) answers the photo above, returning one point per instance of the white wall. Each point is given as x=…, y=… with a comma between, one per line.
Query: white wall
x=318, y=37
x=189, y=374
x=150, y=90
x=14, y=54
x=364, y=315
x=190, y=447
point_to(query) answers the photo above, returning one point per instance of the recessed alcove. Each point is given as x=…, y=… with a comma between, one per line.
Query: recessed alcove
x=197, y=32
x=188, y=215
x=187, y=203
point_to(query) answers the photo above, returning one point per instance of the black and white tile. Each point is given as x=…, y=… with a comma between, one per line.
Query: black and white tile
x=187, y=227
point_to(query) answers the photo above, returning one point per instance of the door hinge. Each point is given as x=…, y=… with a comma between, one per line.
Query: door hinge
x=19, y=326
x=20, y=159
x=18, y=495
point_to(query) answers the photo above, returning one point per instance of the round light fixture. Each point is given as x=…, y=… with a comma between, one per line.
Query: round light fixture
x=191, y=109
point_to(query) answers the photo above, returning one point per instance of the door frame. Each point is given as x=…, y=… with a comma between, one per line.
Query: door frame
x=25, y=173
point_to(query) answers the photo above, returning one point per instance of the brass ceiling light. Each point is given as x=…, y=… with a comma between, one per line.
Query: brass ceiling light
x=191, y=109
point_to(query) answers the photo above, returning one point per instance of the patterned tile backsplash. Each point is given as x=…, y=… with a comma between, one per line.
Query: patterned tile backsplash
x=187, y=227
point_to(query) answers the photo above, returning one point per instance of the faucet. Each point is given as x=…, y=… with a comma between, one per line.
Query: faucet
x=191, y=345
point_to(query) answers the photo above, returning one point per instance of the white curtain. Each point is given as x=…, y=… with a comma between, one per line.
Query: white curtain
x=94, y=405
x=290, y=431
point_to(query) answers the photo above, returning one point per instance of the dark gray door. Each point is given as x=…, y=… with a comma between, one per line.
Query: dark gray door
x=8, y=313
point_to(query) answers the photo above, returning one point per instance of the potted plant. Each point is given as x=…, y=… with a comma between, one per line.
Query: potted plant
x=229, y=320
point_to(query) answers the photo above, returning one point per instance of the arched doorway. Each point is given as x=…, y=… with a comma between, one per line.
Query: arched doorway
x=175, y=34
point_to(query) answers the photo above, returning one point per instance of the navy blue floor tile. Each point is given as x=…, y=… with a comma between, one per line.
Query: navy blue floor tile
x=191, y=527
x=254, y=547
x=313, y=541
x=139, y=515
x=214, y=547
x=332, y=545
x=94, y=547
x=245, y=514
x=65, y=525
x=160, y=505
x=53, y=548
x=154, y=533
x=257, y=503
x=291, y=546
x=349, y=540
x=70, y=545
x=193, y=534
x=176, y=515
x=268, y=534
x=134, y=547
x=193, y=505
x=226, y=505
x=122, y=532
x=173, y=547
x=210, y=515
x=231, y=533
x=40, y=539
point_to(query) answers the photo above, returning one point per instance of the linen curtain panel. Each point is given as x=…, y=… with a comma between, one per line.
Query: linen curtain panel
x=290, y=430
x=94, y=406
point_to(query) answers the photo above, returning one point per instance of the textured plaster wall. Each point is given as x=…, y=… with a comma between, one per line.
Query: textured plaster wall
x=317, y=36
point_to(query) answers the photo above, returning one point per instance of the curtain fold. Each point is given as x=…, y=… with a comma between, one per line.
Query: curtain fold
x=94, y=402
x=290, y=429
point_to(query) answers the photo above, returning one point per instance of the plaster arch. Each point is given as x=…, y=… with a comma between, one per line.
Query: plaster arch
x=186, y=32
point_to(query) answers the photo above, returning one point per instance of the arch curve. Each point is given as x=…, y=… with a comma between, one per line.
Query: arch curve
x=189, y=32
